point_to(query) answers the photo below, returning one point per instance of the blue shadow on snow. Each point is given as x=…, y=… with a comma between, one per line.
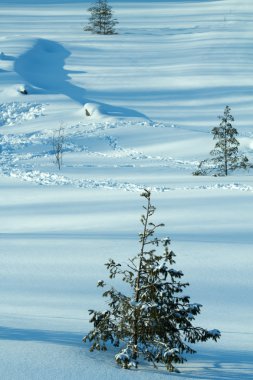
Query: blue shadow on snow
x=42, y=68
x=64, y=338
x=212, y=364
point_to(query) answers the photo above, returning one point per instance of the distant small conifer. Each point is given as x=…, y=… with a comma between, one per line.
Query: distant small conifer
x=101, y=19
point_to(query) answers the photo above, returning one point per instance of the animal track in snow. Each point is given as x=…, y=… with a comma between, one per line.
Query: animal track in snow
x=15, y=112
x=29, y=157
x=51, y=179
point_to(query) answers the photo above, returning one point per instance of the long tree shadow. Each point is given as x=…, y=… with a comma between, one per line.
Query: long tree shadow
x=211, y=365
x=4, y=57
x=42, y=68
x=64, y=338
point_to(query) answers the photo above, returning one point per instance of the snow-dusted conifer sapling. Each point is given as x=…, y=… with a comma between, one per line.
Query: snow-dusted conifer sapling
x=225, y=155
x=101, y=19
x=155, y=319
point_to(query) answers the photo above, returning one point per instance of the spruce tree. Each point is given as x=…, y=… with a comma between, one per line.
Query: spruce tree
x=155, y=319
x=101, y=19
x=226, y=156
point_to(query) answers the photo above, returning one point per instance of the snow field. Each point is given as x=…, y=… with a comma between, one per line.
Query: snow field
x=154, y=92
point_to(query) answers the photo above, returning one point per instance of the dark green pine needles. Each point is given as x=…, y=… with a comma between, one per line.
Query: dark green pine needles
x=155, y=319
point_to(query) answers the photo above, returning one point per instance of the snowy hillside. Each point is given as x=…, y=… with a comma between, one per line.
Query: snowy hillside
x=135, y=110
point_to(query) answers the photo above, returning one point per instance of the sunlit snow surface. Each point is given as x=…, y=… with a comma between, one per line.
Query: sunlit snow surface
x=153, y=93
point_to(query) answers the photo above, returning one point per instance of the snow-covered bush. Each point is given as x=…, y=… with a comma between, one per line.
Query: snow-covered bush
x=58, y=146
x=155, y=319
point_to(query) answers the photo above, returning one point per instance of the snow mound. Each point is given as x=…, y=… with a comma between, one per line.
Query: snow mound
x=15, y=112
x=94, y=111
x=102, y=111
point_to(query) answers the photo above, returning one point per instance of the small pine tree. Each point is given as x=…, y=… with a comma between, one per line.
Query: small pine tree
x=101, y=19
x=155, y=320
x=226, y=157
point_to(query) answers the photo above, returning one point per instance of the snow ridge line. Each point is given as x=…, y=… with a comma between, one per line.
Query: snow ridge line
x=49, y=179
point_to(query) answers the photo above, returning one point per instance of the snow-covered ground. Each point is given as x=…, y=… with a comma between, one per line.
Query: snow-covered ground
x=153, y=93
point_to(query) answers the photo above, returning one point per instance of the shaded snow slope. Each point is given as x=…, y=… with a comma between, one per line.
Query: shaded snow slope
x=180, y=61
